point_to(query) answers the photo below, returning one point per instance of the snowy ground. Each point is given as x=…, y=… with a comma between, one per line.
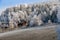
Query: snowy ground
x=47, y=32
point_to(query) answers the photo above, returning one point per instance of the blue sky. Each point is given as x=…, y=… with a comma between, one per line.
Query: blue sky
x=6, y=3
